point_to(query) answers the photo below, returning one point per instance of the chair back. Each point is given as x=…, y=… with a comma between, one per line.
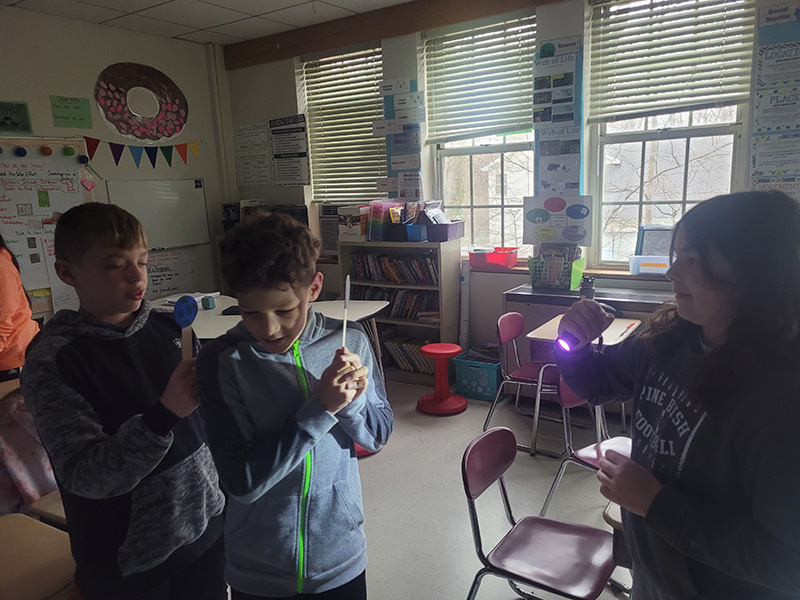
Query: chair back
x=509, y=326
x=567, y=397
x=486, y=459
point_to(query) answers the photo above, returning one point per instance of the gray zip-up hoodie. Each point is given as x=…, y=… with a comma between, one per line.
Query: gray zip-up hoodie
x=295, y=520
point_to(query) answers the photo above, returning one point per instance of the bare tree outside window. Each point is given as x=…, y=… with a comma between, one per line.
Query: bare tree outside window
x=655, y=169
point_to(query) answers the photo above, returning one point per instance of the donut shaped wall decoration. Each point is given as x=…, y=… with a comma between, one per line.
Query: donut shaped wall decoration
x=169, y=111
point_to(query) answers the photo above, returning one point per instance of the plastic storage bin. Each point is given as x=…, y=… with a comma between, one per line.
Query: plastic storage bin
x=441, y=232
x=501, y=259
x=478, y=373
x=656, y=265
x=398, y=232
x=568, y=278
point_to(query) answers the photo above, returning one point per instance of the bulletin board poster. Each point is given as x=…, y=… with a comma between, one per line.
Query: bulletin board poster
x=557, y=83
x=34, y=191
x=559, y=160
x=775, y=101
x=551, y=218
x=169, y=272
x=251, y=148
x=289, y=139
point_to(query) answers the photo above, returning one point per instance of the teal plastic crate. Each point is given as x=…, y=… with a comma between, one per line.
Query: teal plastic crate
x=478, y=373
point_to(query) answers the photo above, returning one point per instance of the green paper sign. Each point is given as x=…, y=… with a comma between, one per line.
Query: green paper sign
x=15, y=118
x=44, y=198
x=71, y=112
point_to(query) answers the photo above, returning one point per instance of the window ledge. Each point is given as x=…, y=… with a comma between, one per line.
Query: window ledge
x=522, y=268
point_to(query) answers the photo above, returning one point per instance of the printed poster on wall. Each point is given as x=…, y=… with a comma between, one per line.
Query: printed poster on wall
x=554, y=93
x=559, y=156
x=775, y=141
x=289, y=140
x=251, y=148
x=565, y=219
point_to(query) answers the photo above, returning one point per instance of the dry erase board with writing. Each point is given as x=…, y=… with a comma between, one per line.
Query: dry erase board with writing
x=172, y=212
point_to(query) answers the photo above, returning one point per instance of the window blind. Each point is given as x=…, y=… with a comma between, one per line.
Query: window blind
x=342, y=100
x=651, y=57
x=480, y=81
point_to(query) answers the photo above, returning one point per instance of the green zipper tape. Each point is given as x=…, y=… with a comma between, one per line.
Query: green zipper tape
x=301, y=549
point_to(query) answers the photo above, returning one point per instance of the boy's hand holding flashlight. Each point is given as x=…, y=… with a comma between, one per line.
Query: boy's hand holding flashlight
x=584, y=321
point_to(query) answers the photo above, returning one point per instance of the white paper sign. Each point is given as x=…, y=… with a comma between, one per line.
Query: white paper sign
x=412, y=100
x=251, y=148
x=387, y=184
x=383, y=127
x=557, y=219
x=395, y=86
x=410, y=115
x=403, y=162
x=169, y=272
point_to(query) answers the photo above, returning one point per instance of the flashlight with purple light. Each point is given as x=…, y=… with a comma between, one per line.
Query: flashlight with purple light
x=568, y=342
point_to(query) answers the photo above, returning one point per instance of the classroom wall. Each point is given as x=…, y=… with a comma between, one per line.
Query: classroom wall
x=45, y=55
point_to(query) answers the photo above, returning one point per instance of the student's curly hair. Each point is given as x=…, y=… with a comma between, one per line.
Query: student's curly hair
x=269, y=251
x=758, y=235
x=87, y=224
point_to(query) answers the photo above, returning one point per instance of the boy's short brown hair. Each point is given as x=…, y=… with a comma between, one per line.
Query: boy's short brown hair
x=268, y=251
x=85, y=225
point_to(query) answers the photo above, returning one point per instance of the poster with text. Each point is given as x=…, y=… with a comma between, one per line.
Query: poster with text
x=251, y=148
x=565, y=219
x=559, y=156
x=554, y=93
x=289, y=139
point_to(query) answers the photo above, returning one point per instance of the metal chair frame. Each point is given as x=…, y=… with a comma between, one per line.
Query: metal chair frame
x=495, y=450
x=568, y=400
x=539, y=383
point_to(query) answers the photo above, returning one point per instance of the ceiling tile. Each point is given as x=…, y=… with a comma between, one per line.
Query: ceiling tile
x=209, y=37
x=70, y=9
x=362, y=6
x=194, y=13
x=308, y=13
x=147, y=25
x=127, y=6
x=254, y=7
x=251, y=28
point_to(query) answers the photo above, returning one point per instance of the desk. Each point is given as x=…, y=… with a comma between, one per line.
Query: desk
x=618, y=331
x=211, y=323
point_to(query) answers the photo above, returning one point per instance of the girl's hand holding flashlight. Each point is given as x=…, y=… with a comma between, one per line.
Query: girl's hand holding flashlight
x=584, y=321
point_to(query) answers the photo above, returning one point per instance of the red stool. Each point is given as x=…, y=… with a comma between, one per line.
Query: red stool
x=441, y=402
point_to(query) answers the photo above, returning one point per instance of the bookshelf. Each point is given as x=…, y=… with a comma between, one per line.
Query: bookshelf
x=415, y=277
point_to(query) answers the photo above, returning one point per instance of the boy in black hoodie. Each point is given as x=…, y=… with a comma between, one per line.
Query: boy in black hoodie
x=115, y=408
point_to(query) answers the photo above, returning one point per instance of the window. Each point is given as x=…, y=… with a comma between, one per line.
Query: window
x=669, y=84
x=478, y=84
x=342, y=95
x=654, y=169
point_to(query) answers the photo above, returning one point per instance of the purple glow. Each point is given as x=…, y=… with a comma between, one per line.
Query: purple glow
x=563, y=343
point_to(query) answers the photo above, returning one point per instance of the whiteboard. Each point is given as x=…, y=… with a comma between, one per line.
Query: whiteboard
x=34, y=190
x=172, y=211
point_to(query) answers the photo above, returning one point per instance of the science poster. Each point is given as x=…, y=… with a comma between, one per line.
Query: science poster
x=554, y=218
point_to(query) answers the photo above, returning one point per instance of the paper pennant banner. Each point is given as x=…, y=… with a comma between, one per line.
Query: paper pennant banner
x=181, y=148
x=91, y=146
x=152, y=154
x=116, y=151
x=195, y=148
x=136, y=153
x=167, y=152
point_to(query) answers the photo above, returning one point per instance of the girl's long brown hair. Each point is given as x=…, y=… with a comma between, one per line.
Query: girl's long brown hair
x=758, y=234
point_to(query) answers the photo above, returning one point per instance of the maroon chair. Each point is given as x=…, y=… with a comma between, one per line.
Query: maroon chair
x=574, y=561
x=588, y=456
x=541, y=376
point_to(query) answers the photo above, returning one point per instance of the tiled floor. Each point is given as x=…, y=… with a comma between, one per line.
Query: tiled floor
x=418, y=533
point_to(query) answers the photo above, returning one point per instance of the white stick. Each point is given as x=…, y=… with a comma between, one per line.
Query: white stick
x=344, y=315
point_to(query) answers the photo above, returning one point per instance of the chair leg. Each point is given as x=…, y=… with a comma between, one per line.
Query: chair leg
x=476, y=583
x=535, y=427
x=553, y=487
x=494, y=405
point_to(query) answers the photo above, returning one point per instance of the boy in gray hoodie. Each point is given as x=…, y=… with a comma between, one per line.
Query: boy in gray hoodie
x=283, y=404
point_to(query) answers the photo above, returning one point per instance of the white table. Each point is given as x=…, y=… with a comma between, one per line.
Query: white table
x=211, y=323
x=619, y=329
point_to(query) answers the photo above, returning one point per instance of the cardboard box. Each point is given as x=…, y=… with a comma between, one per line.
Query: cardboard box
x=353, y=223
